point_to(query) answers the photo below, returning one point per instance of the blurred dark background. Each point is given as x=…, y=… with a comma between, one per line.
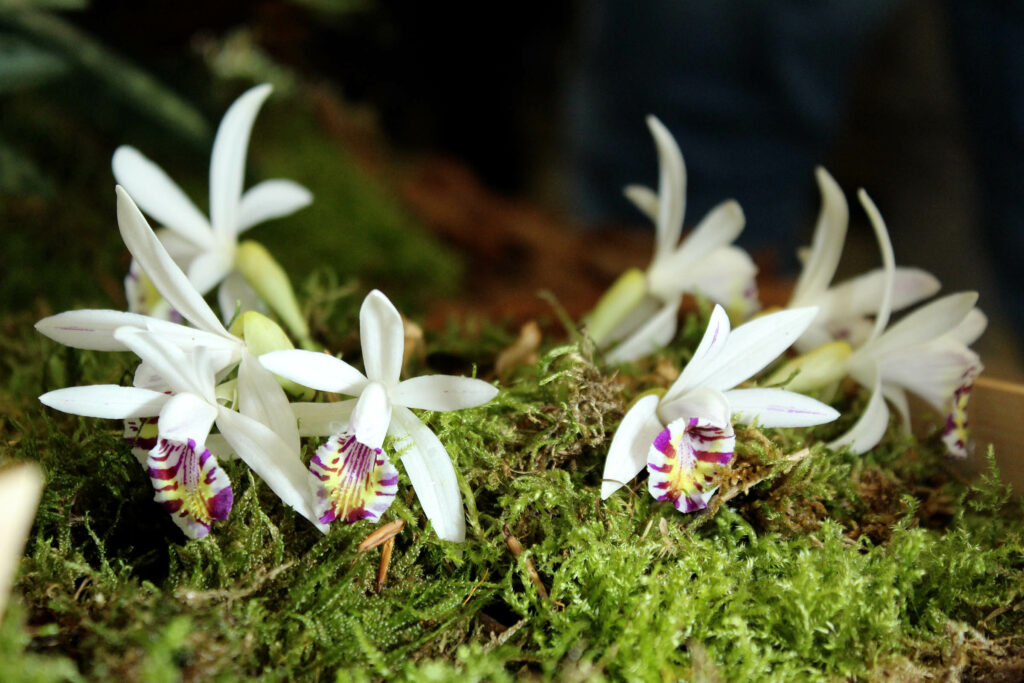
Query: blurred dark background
x=465, y=153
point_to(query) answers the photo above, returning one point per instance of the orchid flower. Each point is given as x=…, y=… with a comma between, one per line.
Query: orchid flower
x=208, y=250
x=355, y=478
x=264, y=435
x=925, y=353
x=638, y=314
x=843, y=309
x=20, y=488
x=685, y=438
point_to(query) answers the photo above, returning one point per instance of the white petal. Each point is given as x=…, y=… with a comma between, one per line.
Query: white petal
x=888, y=263
x=382, y=336
x=718, y=229
x=167, y=277
x=235, y=291
x=164, y=359
x=271, y=199
x=928, y=322
x=727, y=276
x=91, y=329
x=228, y=349
x=262, y=398
x=827, y=243
x=703, y=403
x=179, y=248
x=898, y=398
x=186, y=416
x=20, y=488
x=970, y=328
x=442, y=392
x=778, y=408
x=160, y=197
x=859, y=296
x=933, y=371
x=432, y=474
x=671, y=189
x=711, y=344
x=209, y=268
x=871, y=426
x=227, y=162
x=654, y=334
x=372, y=415
x=752, y=346
x=645, y=199
x=323, y=419
x=106, y=400
x=627, y=455
x=315, y=370
x=274, y=461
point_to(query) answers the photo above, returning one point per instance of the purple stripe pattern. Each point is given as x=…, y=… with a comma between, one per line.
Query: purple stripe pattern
x=955, y=432
x=686, y=459
x=354, y=481
x=189, y=485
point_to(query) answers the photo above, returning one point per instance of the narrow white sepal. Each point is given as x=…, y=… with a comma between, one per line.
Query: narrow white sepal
x=442, y=392
x=432, y=474
x=671, y=189
x=91, y=329
x=262, y=398
x=711, y=344
x=109, y=401
x=227, y=161
x=627, y=455
x=826, y=244
x=970, y=328
x=643, y=198
x=924, y=324
x=272, y=460
x=315, y=370
x=382, y=337
x=752, y=346
x=778, y=408
x=160, y=197
x=271, y=199
x=871, y=426
x=166, y=276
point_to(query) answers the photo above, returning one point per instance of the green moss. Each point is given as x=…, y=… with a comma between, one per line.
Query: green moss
x=834, y=566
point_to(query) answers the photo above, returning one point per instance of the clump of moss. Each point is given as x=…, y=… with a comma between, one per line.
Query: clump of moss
x=824, y=565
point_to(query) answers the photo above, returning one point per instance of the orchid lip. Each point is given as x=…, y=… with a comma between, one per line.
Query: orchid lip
x=189, y=485
x=352, y=480
x=686, y=460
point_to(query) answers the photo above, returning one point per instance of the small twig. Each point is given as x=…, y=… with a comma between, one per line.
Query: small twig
x=475, y=586
x=385, y=562
x=517, y=550
x=380, y=535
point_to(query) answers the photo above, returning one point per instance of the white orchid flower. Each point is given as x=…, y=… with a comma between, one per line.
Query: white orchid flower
x=355, y=478
x=208, y=249
x=638, y=314
x=925, y=353
x=189, y=483
x=685, y=438
x=843, y=310
x=258, y=395
x=20, y=488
